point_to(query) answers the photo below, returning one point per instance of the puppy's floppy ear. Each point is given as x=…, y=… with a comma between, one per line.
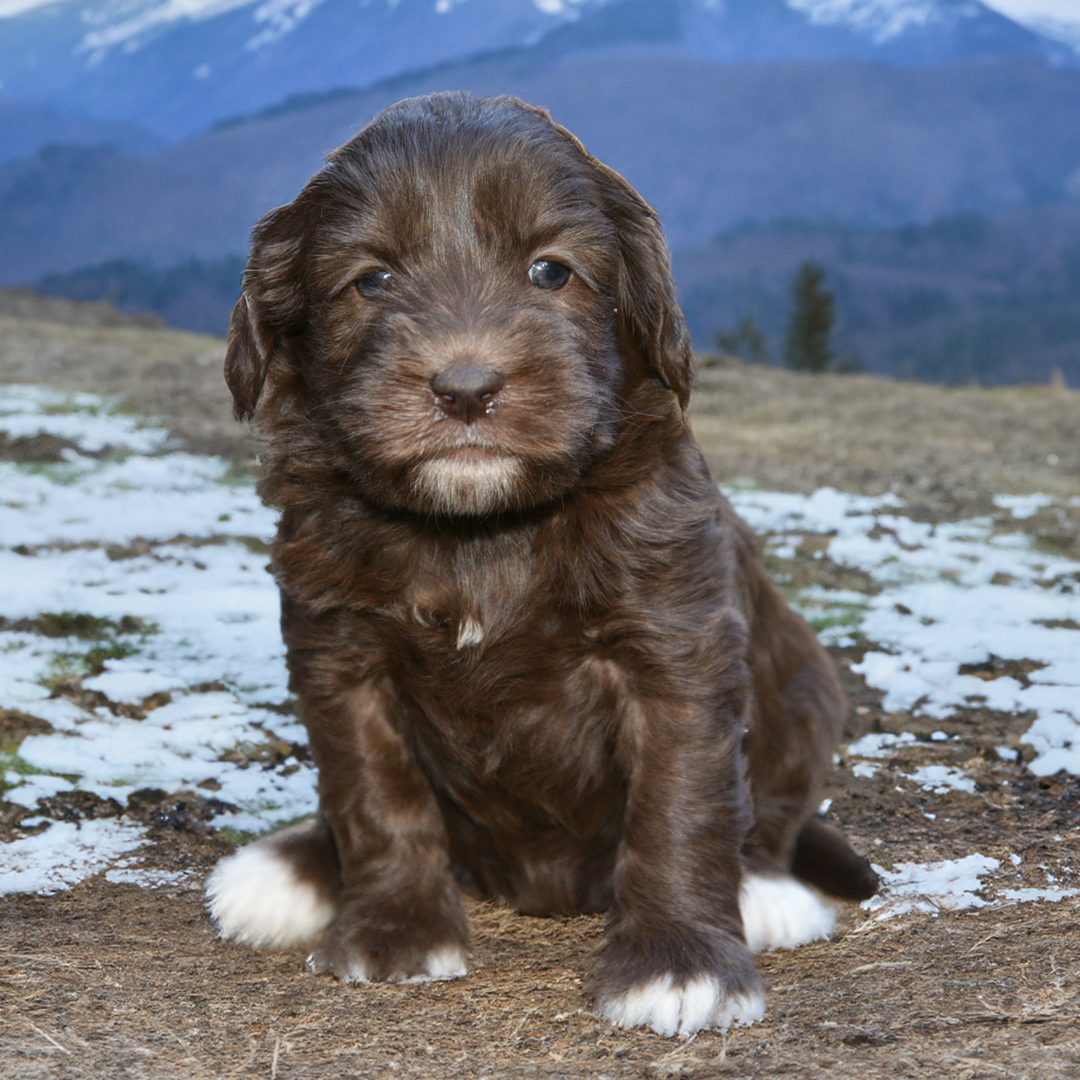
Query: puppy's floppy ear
x=648, y=308
x=271, y=303
x=247, y=358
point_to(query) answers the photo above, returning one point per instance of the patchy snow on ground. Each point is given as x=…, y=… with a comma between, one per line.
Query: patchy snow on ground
x=137, y=618
x=944, y=597
x=950, y=595
x=64, y=854
x=950, y=885
x=942, y=778
x=166, y=552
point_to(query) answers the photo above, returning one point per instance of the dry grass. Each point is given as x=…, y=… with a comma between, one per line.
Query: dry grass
x=947, y=448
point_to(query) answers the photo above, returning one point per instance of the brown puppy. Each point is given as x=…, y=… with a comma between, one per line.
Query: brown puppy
x=534, y=648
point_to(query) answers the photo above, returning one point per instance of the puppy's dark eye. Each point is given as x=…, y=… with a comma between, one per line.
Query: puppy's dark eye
x=370, y=285
x=545, y=274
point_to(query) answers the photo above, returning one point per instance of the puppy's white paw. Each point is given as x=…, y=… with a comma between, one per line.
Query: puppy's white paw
x=256, y=897
x=439, y=965
x=780, y=913
x=442, y=964
x=681, y=1010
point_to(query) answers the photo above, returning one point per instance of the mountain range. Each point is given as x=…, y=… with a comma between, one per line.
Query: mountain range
x=862, y=144
x=176, y=67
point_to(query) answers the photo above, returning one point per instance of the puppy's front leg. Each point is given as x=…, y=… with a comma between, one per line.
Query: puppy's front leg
x=401, y=918
x=674, y=956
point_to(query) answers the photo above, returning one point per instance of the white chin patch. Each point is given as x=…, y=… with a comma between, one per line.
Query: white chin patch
x=682, y=1010
x=440, y=965
x=780, y=913
x=468, y=487
x=256, y=898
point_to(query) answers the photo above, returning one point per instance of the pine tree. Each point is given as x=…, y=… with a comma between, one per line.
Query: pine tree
x=808, y=344
x=746, y=341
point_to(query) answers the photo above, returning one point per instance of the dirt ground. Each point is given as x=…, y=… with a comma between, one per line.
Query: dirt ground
x=111, y=980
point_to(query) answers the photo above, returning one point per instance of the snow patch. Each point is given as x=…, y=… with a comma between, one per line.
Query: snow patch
x=129, y=682
x=65, y=854
x=279, y=17
x=1057, y=19
x=951, y=594
x=881, y=20
x=1023, y=896
x=1056, y=739
x=879, y=744
x=177, y=542
x=1023, y=507
x=950, y=885
x=941, y=779
x=147, y=878
x=87, y=419
x=26, y=790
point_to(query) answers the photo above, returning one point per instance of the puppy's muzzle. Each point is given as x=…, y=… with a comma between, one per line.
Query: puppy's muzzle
x=467, y=392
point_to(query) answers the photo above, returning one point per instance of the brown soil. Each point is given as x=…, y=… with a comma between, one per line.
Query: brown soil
x=112, y=980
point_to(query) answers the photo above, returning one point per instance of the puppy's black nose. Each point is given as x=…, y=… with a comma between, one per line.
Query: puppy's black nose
x=466, y=391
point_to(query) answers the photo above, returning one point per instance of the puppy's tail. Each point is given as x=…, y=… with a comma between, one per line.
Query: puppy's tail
x=280, y=890
x=823, y=858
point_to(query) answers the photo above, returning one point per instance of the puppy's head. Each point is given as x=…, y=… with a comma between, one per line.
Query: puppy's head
x=455, y=308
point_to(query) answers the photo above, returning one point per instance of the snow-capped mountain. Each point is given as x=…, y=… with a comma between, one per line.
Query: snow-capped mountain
x=1056, y=19
x=179, y=66
x=882, y=20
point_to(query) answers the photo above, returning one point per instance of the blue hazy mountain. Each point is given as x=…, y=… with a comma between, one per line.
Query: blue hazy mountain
x=863, y=144
x=178, y=68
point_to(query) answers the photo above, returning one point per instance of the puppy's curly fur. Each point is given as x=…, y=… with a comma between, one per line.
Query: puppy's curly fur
x=536, y=651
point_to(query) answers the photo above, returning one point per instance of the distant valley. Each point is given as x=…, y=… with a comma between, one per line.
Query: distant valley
x=964, y=298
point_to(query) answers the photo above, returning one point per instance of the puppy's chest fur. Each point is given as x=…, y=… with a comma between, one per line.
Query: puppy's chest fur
x=461, y=610
x=509, y=641
x=509, y=690
x=468, y=595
